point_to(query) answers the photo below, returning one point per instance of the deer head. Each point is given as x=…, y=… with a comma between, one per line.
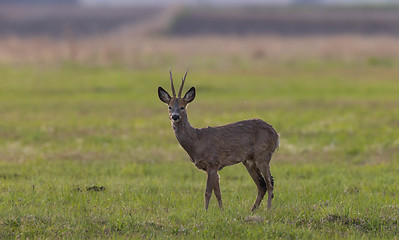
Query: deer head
x=177, y=105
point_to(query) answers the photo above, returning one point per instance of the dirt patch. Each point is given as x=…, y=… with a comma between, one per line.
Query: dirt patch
x=254, y=219
x=343, y=220
x=91, y=189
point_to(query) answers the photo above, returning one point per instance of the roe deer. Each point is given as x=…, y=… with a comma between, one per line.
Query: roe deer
x=251, y=142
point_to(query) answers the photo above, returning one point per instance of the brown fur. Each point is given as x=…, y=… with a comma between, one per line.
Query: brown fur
x=251, y=142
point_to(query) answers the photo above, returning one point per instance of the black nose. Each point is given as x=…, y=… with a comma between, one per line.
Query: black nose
x=175, y=117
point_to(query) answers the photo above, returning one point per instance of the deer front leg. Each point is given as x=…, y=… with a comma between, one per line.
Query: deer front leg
x=210, y=185
x=216, y=191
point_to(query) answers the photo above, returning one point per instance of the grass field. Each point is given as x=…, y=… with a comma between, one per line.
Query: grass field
x=88, y=152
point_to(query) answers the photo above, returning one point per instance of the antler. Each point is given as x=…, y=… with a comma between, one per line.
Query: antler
x=171, y=83
x=182, y=83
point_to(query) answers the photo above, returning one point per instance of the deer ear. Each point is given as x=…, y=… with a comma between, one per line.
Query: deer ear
x=164, y=95
x=190, y=95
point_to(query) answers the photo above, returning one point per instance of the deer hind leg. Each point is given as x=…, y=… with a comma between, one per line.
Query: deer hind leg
x=265, y=170
x=213, y=179
x=255, y=174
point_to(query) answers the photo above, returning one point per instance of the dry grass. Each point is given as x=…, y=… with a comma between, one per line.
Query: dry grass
x=130, y=48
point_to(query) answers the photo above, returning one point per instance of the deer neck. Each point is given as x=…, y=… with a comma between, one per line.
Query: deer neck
x=186, y=135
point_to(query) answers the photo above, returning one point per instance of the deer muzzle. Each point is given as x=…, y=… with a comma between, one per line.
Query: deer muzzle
x=175, y=117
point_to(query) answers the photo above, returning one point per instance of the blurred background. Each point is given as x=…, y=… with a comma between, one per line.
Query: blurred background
x=196, y=33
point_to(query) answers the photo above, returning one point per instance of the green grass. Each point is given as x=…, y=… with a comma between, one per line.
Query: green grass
x=65, y=129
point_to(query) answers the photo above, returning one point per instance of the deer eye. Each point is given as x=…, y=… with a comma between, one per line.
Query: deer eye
x=170, y=108
x=182, y=108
